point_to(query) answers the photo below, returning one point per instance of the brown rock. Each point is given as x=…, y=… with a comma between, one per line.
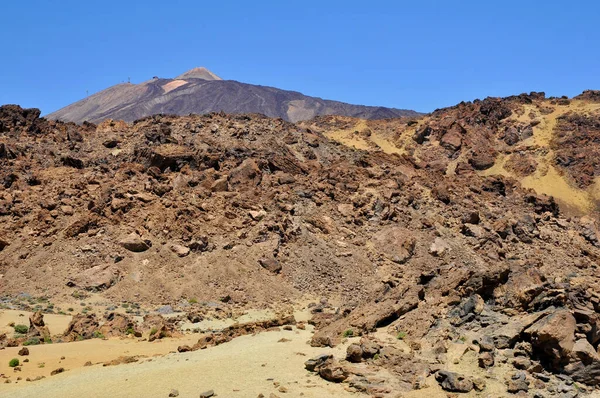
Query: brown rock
x=333, y=372
x=486, y=360
x=270, y=264
x=220, y=185
x=553, y=337
x=134, y=243
x=180, y=250
x=37, y=327
x=354, y=353
x=82, y=327
x=57, y=371
x=396, y=244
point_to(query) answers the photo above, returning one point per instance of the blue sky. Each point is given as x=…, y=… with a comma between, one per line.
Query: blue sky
x=419, y=55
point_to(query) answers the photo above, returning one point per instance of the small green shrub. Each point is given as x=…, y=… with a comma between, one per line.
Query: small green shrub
x=47, y=340
x=130, y=331
x=193, y=301
x=376, y=356
x=401, y=335
x=348, y=333
x=41, y=365
x=153, y=331
x=125, y=305
x=32, y=341
x=98, y=335
x=22, y=329
x=13, y=363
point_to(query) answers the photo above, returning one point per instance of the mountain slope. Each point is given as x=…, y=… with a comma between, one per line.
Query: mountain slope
x=200, y=91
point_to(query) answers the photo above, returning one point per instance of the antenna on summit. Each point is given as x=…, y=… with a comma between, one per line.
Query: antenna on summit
x=129, y=80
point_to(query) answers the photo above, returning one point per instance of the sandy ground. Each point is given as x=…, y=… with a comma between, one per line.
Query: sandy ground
x=244, y=367
x=57, y=324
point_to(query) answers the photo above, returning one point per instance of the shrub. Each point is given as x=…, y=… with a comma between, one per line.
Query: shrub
x=98, y=335
x=22, y=329
x=193, y=301
x=32, y=341
x=13, y=363
x=130, y=331
x=47, y=340
x=401, y=335
x=348, y=333
x=153, y=331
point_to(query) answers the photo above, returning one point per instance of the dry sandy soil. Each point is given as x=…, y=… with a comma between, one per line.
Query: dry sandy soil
x=245, y=367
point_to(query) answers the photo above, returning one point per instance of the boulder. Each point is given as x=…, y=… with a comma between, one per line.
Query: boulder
x=180, y=250
x=23, y=352
x=270, y=264
x=486, y=360
x=453, y=382
x=220, y=185
x=119, y=325
x=514, y=386
x=582, y=373
x=97, y=278
x=452, y=140
x=522, y=288
x=312, y=364
x=257, y=215
x=395, y=243
x=37, y=327
x=553, y=337
x=369, y=347
x=584, y=352
x=333, y=372
x=483, y=160
x=159, y=327
x=439, y=247
x=354, y=353
x=246, y=173
x=82, y=327
x=133, y=242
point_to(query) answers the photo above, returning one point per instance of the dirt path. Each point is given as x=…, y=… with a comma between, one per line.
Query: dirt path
x=244, y=367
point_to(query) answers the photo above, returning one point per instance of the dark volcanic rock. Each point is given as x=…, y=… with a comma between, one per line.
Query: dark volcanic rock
x=207, y=93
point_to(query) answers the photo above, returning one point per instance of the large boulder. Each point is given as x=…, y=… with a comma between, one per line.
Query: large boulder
x=82, y=327
x=553, y=337
x=247, y=173
x=37, y=326
x=119, y=325
x=97, y=278
x=395, y=243
x=453, y=382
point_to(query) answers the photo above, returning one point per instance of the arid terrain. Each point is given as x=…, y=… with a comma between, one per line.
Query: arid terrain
x=442, y=255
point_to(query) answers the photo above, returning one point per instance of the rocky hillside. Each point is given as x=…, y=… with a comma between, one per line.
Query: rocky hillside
x=430, y=241
x=200, y=91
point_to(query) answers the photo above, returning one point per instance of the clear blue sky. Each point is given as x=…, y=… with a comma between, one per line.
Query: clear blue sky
x=419, y=55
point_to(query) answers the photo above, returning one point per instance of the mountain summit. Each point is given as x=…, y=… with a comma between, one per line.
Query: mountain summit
x=200, y=91
x=199, y=73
